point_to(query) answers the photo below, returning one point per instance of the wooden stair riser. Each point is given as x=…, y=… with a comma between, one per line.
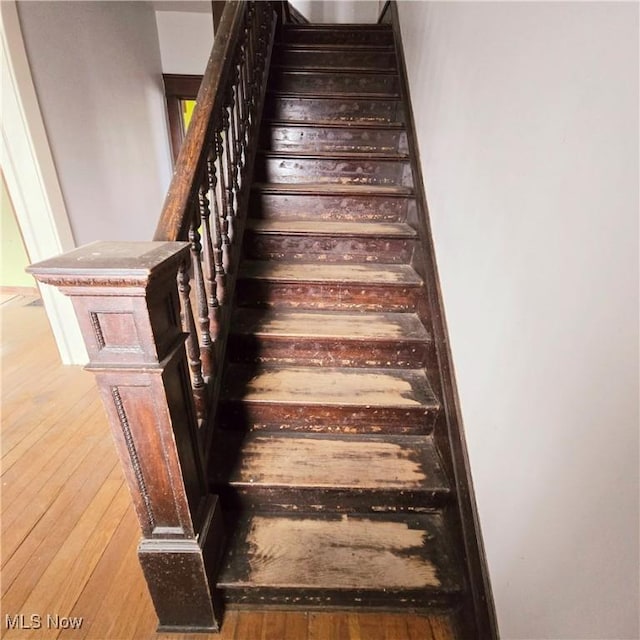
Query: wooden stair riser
x=285, y=169
x=326, y=82
x=282, y=416
x=332, y=109
x=308, y=57
x=343, y=35
x=387, y=600
x=310, y=138
x=346, y=297
x=329, y=206
x=293, y=247
x=328, y=500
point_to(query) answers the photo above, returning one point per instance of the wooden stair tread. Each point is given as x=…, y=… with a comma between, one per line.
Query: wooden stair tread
x=331, y=29
x=365, y=274
x=360, y=553
x=332, y=228
x=334, y=71
x=315, y=188
x=335, y=46
x=338, y=325
x=300, y=46
x=317, y=68
x=337, y=124
x=334, y=107
x=295, y=67
x=339, y=95
x=329, y=386
x=332, y=26
x=335, y=155
x=319, y=461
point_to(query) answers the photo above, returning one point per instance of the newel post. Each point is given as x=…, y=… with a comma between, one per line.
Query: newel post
x=126, y=298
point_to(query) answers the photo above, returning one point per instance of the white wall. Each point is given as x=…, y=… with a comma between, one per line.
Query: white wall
x=185, y=39
x=528, y=129
x=338, y=10
x=96, y=69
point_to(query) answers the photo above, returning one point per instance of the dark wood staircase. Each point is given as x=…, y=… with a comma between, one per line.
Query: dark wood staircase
x=326, y=465
x=275, y=364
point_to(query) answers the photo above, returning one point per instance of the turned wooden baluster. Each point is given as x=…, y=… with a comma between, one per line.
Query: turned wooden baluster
x=244, y=110
x=233, y=120
x=229, y=145
x=193, y=349
x=262, y=38
x=224, y=197
x=203, y=275
x=245, y=97
x=219, y=273
x=240, y=109
x=251, y=66
x=208, y=259
x=257, y=68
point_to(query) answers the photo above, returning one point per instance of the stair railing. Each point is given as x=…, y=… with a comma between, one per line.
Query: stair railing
x=207, y=201
x=155, y=316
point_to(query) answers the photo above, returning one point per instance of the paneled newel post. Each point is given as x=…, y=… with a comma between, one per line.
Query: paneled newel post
x=126, y=297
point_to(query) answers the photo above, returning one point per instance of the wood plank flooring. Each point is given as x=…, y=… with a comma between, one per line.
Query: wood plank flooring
x=69, y=533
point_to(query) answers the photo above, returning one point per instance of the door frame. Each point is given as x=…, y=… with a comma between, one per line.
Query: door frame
x=178, y=87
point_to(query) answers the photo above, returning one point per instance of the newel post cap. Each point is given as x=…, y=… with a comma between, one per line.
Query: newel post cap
x=111, y=264
x=125, y=295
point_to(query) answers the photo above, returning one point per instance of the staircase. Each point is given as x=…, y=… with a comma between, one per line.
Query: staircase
x=275, y=364
x=334, y=489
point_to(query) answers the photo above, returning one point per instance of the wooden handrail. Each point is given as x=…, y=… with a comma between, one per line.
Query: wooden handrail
x=173, y=223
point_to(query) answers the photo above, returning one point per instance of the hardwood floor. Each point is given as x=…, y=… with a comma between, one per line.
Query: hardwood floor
x=69, y=533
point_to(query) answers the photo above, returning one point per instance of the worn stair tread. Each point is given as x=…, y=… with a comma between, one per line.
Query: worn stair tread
x=334, y=107
x=331, y=228
x=365, y=274
x=337, y=124
x=331, y=27
x=340, y=95
x=315, y=188
x=361, y=462
x=362, y=326
x=385, y=553
x=335, y=155
x=334, y=71
x=329, y=386
x=283, y=67
x=332, y=46
x=335, y=46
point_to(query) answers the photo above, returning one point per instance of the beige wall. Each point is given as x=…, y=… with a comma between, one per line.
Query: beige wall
x=528, y=131
x=185, y=39
x=97, y=72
